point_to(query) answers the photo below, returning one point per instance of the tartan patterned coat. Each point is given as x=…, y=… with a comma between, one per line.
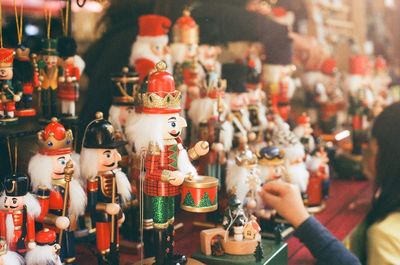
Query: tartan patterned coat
x=157, y=161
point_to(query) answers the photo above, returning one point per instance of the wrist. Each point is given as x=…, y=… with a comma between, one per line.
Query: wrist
x=300, y=219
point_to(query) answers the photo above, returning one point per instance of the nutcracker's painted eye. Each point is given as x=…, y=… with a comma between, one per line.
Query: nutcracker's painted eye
x=107, y=154
x=62, y=161
x=173, y=124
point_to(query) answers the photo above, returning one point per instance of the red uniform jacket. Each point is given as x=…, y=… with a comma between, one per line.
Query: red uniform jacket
x=156, y=162
x=51, y=203
x=69, y=90
x=24, y=229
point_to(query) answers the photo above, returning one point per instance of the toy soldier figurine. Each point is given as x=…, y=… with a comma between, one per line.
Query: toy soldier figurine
x=26, y=78
x=69, y=75
x=9, y=257
x=51, y=172
x=49, y=71
x=8, y=94
x=46, y=251
x=19, y=207
x=166, y=161
x=304, y=132
x=151, y=45
x=318, y=187
x=108, y=187
x=234, y=217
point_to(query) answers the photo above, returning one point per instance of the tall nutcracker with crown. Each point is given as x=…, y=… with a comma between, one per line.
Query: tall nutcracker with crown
x=49, y=72
x=19, y=207
x=166, y=161
x=108, y=188
x=54, y=182
x=8, y=94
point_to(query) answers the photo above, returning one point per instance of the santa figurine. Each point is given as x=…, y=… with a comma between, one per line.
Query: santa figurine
x=49, y=72
x=108, y=188
x=151, y=45
x=304, y=131
x=8, y=257
x=26, y=78
x=46, y=251
x=8, y=93
x=54, y=182
x=166, y=162
x=72, y=67
x=19, y=207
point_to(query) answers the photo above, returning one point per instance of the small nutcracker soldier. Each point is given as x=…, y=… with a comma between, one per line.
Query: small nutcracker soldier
x=166, y=161
x=234, y=218
x=318, y=186
x=304, y=131
x=150, y=46
x=69, y=75
x=108, y=187
x=27, y=79
x=19, y=207
x=49, y=72
x=52, y=182
x=9, y=95
x=46, y=250
x=8, y=257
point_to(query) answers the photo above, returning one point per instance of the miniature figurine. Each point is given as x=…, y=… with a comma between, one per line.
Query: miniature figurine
x=49, y=72
x=9, y=95
x=46, y=251
x=304, y=132
x=107, y=186
x=8, y=257
x=234, y=218
x=318, y=187
x=166, y=162
x=59, y=192
x=19, y=211
x=69, y=75
x=26, y=78
x=151, y=43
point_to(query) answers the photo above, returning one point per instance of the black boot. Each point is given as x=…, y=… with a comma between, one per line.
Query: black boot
x=160, y=243
x=148, y=241
x=173, y=259
x=102, y=259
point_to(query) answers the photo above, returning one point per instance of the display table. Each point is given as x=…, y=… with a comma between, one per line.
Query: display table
x=274, y=254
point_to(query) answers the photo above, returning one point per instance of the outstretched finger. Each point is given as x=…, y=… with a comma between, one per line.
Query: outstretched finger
x=269, y=199
x=275, y=187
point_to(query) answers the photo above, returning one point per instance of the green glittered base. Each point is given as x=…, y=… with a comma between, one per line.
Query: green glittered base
x=274, y=254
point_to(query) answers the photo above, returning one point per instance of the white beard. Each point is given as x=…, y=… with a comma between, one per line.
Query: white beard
x=12, y=258
x=42, y=255
x=201, y=110
x=10, y=228
x=77, y=199
x=123, y=186
x=236, y=177
x=226, y=135
x=298, y=175
x=141, y=50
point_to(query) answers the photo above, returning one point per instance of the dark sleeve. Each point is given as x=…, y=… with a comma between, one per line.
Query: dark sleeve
x=323, y=245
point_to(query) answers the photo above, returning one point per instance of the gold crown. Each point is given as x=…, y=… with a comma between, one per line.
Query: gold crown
x=246, y=158
x=3, y=247
x=169, y=100
x=265, y=160
x=48, y=142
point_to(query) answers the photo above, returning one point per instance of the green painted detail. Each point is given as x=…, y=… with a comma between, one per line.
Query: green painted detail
x=189, y=200
x=174, y=155
x=205, y=201
x=163, y=209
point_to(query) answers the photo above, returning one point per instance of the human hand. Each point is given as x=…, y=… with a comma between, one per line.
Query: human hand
x=62, y=222
x=112, y=208
x=285, y=198
x=176, y=178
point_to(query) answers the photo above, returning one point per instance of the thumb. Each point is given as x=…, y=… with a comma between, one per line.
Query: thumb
x=269, y=199
x=275, y=187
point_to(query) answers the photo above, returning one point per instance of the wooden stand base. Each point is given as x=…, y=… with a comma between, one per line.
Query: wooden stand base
x=274, y=254
x=316, y=209
x=150, y=261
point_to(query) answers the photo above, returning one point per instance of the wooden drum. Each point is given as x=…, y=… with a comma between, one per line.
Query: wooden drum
x=200, y=196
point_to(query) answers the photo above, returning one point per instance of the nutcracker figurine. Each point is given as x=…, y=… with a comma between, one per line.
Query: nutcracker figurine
x=9, y=94
x=27, y=79
x=46, y=251
x=304, y=131
x=166, y=162
x=8, y=257
x=49, y=72
x=150, y=46
x=234, y=218
x=69, y=75
x=208, y=57
x=108, y=187
x=58, y=189
x=318, y=186
x=17, y=224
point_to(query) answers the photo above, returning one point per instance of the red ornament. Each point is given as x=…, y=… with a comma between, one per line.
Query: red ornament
x=46, y=237
x=153, y=25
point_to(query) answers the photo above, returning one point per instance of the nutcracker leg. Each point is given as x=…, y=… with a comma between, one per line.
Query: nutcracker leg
x=160, y=241
x=53, y=103
x=67, y=254
x=148, y=232
x=103, y=233
x=160, y=206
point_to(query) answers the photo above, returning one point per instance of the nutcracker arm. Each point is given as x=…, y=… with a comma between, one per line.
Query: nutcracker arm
x=201, y=148
x=30, y=225
x=50, y=219
x=43, y=196
x=92, y=188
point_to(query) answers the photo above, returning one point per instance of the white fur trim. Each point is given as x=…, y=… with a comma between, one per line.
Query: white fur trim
x=42, y=255
x=184, y=164
x=32, y=205
x=123, y=186
x=141, y=49
x=39, y=169
x=77, y=199
x=12, y=258
x=88, y=163
x=162, y=39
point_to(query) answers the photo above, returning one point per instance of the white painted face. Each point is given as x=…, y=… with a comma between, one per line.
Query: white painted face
x=14, y=203
x=50, y=60
x=6, y=73
x=173, y=124
x=159, y=50
x=124, y=114
x=59, y=162
x=107, y=159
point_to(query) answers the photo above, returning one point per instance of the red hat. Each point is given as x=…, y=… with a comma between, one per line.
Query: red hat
x=186, y=30
x=161, y=96
x=55, y=140
x=153, y=25
x=329, y=66
x=303, y=119
x=358, y=65
x=380, y=63
x=6, y=57
x=46, y=237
